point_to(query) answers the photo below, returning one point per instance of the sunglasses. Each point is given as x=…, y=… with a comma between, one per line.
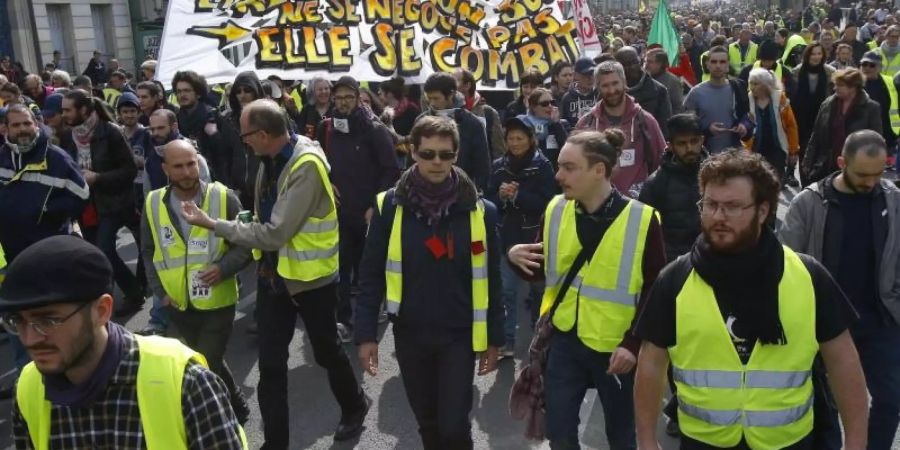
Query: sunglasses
x=244, y=90
x=868, y=64
x=429, y=155
x=546, y=103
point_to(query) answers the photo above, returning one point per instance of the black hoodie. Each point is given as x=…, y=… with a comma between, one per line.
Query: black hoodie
x=244, y=163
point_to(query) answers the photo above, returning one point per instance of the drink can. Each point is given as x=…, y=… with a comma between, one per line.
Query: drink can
x=245, y=217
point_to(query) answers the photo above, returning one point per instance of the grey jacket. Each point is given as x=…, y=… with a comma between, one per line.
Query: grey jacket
x=675, y=88
x=803, y=231
x=231, y=262
x=303, y=196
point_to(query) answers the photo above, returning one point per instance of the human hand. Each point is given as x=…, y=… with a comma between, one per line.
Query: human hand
x=487, y=360
x=527, y=257
x=621, y=361
x=196, y=216
x=368, y=357
x=211, y=275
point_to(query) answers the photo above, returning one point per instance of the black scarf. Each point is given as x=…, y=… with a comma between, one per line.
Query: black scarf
x=748, y=283
x=60, y=391
x=517, y=164
x=811, y=100
x=192, y=121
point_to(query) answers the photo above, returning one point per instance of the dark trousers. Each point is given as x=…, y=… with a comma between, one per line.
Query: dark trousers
x=352, y=243
x=104, y=237
x=437, y=370
x=879, y=353
x=208, y=332
x=573, y=368
x=689, y=444
x=277, y=313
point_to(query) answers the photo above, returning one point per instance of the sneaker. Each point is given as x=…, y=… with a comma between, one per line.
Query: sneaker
x=507, y=351
x=345, y=333
x=790, y=180
x=152, y=330
x=351, y=426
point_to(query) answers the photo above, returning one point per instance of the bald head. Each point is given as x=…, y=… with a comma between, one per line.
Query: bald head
x=181, y=164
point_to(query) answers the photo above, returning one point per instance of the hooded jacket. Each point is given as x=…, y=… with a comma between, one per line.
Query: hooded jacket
x=113, y=161
x=813, y=225
x=244, y=162
x=474, y=154
x=575, y=105
x=363, y=161
x=38, y=203
x=653, y=97
x=673, y=191
x=193, y=124
x=521, y=217
x=785, y=122
x=819, y=161
x=644, y=143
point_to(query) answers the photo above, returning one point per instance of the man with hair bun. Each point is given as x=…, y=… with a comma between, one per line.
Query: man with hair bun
x=600, y=254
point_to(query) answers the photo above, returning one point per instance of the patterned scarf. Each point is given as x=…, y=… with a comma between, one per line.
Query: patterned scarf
x=429, y=200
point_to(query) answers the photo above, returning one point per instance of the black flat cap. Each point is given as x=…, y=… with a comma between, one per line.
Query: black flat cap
x=59, y=269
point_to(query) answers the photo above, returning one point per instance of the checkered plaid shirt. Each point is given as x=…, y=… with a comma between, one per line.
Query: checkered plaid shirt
x=114, y=421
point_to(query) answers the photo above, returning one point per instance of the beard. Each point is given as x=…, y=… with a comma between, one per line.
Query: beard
x=743, y=239
x=186, y=185
x=857, y=189
x=23, y=138
x=614, y=99
x=77, y=120
x=82, y=349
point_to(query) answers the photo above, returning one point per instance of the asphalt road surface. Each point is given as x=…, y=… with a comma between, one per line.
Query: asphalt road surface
x=390, y=423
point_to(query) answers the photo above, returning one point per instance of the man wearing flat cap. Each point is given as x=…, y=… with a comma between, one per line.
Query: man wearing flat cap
x=92, y=383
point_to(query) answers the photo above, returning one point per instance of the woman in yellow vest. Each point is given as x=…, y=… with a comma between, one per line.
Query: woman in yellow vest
x=601, y=252
x=433, y=252
x=92, y=383
x=741, y=319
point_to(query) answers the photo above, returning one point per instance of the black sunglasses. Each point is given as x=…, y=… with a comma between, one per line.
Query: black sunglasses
x=429, y=155
x=546, y=103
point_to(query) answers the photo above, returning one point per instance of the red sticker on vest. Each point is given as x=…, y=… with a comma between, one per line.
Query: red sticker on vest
x=477, y=248
x=437, y=247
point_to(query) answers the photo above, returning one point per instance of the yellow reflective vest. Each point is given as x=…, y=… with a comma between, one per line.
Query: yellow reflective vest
x=178, y=263
x=778, y=70
x=889, y=67
x=792, y=41
x=394, y=270
x=604, y=293
x=2, y=265
x=159, y=382
x=734, y=56
x=769, y=400
x=312, y=253
x=704, y=59
x=893, y=110
x=111, y=96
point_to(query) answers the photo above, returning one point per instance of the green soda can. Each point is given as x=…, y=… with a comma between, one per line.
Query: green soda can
x=245, y=216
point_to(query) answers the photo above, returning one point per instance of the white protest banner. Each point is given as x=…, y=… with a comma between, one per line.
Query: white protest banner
x=371, y=40
x=587, y=32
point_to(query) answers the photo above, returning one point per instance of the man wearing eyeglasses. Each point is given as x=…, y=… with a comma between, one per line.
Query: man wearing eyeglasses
x=741, y=318
x=360, y=150
x=294, y=238
x=433, y=250
x=92, y=383
x=848, y=222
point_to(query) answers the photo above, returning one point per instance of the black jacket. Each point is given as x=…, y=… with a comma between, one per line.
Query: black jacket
x=113, y=161
x=192, y=123
x=653, y=98
x=819, y=160
x=673, y=191
x=514, y=108
x=437, y=293
x=244, y=163
x=521, y=218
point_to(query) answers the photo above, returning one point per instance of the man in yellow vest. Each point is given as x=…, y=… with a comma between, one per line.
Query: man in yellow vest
x=445, y=301
x=601, y=252
x=92, y=383
x=742, y=53
x=767, y=58
x=889, y=51
x=294, y=237
x=191, y=270
x=741, y=319
x=882, y=89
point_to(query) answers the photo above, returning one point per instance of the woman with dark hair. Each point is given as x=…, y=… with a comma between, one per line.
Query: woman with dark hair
x=561, y=75
x=810, y=85
x=543, y=117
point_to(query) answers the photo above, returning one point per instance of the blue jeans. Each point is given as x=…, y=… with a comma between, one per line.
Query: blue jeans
x=879, y=353
x=573, y=368
x=159, y=314
x=512, y=284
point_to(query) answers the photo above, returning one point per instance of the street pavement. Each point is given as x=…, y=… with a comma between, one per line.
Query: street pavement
x=390, y=423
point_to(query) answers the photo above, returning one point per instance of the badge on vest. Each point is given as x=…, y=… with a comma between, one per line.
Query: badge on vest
x=168, y=236
x=199, y=289
x=626, y=159
x=551, y=143
x=198, y=245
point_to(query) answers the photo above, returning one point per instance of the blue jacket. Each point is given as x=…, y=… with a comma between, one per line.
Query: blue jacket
x=437, y=293
x=521, y=218
x=42, y=193
x=142, y=145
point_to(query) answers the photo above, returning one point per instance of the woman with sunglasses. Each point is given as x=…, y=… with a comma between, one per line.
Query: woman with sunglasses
x=521, y=185
x=543, y=118
x=432, y=250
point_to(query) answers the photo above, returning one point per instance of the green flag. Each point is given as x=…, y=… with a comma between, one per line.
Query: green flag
x=663, y=32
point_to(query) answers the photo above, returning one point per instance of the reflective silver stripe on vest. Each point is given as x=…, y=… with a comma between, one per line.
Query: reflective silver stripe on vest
x=708, y=378
x=757, y=379
x=725, y=417
x=479, y=315
x=318, y=227
x=394, y=266
x=7, y=173
x=551, y=247
x=626, y=266
x=154, y=207
x=479, y=273
x=307, y=255
x=393, y=307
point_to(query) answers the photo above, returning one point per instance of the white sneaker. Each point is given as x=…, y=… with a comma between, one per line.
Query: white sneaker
x=507, y=351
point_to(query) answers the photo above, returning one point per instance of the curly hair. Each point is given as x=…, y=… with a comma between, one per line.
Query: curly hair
x=734, y=163
x=197, y=82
